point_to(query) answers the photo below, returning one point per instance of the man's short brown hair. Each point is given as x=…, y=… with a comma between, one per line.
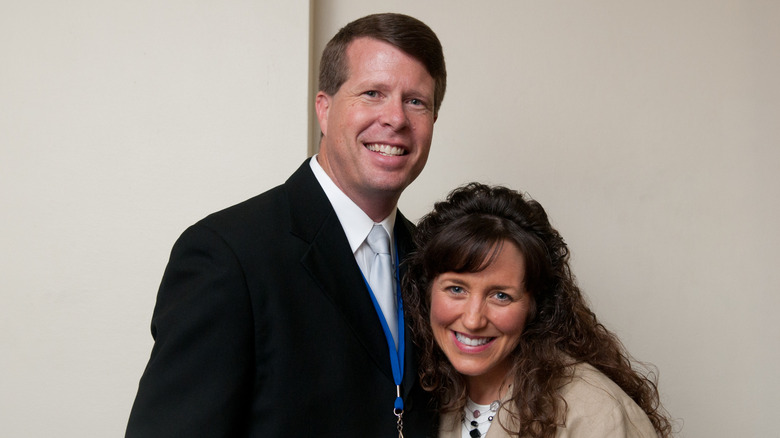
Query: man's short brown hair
x=408, y=34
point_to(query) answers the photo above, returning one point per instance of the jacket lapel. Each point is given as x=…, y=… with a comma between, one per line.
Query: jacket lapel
x=330, y=262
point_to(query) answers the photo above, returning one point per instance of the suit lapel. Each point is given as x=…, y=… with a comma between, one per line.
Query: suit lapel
x=330, y=262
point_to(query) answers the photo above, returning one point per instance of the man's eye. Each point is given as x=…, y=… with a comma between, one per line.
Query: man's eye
x=415, y=102
x=371, y=93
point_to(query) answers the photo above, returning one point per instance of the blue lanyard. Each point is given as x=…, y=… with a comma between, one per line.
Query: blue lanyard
x=396, y=355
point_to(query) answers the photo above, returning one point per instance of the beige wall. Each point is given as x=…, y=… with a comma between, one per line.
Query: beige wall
x=121, y=123
x=649, y=131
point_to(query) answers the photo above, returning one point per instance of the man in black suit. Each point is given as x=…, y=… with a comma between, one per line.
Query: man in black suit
x=265, y=324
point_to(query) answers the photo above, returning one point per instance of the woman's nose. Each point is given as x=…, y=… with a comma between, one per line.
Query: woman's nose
x=474, y=314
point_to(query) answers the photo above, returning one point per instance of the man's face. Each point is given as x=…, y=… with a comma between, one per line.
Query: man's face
x=377, y=128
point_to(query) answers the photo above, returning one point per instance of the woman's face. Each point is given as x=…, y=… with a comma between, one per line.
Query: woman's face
x=477, y=318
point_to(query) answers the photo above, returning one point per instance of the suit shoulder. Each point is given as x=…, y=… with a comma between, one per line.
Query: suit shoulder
x=263, y=208
x=270, y=207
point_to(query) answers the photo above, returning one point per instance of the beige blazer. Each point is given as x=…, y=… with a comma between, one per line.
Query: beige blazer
x=597, y=408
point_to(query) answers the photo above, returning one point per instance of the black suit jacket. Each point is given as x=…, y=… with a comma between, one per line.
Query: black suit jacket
x=263, y=327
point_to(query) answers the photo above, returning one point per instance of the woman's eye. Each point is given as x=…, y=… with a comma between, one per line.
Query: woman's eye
x=455, y=289
x=501, y=296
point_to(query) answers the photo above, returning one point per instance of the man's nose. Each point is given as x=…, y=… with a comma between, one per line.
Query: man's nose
x=393, y=114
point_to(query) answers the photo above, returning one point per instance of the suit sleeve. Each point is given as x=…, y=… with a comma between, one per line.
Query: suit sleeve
x=198, y=381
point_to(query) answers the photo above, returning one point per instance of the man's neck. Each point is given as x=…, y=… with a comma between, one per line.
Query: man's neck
x=376, y=207
x=375, y=204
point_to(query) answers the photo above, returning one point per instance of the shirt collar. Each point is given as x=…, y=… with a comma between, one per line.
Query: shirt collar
x=354, y=221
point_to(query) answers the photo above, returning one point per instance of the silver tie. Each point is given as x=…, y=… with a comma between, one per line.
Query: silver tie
x=380, y=277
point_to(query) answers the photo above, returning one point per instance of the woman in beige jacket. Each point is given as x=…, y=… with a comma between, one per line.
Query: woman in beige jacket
x=508, y=344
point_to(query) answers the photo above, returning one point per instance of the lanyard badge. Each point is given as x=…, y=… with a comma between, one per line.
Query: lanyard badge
x=396, y=355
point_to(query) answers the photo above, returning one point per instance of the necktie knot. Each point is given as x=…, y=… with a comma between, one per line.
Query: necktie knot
x=378, y=240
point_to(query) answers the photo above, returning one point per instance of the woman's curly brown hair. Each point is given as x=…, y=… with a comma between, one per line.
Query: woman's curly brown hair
x=461, y=234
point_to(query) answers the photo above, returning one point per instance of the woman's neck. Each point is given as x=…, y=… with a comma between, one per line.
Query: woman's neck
x=487, y=388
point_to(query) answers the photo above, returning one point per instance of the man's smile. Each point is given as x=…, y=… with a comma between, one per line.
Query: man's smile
x=385, y=149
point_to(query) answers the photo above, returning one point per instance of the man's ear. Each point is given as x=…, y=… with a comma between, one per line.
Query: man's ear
x=322, y=107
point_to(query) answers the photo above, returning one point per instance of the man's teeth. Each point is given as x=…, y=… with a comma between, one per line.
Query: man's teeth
x=471, y=342
x=385, y=149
